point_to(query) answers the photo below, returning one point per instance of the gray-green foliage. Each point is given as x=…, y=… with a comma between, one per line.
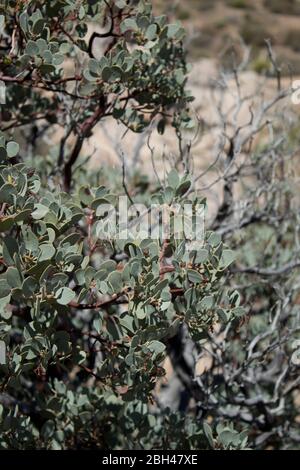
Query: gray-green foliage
x=88, y=322
x=62, y=69
x=80, y=369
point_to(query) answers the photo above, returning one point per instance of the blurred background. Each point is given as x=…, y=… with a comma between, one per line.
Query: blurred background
x=216, y=29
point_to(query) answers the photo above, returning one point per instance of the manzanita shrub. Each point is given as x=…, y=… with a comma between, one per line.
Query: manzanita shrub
x=88, y=321
x=133, y=71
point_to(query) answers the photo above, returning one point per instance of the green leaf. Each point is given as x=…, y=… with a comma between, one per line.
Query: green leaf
x=94, y=66
x=57, y=59
x=29, y=287
x=48, y=429
x=238, y=312
x=183, y=188
x=214, y=239
x=128, y=24
x=141, y=312
x=7, y=191
x=208, y=433
x=116, y=281
x=127, y=322
x=227, y=258
x=174, y=29
x=111, y=74
x=40, y=211
x=32, y=48
x=190, y=296
x=47, y=251
x=23, y=215
x=156, y=347
x=4, y=288
x=108, y=266
x=31, y=241
x=114, y=329
x=206, y=303
x=13, y=277
x=38, y=26
x=4, y=301
x=47, y=68
x=151, y=32
x=42, y=45
x=201, y=256
x=10, y=247
x=64, y=295
x=6, y=223
x=12, y=149
x=173, y=179
x=228, y=437
x=194, y=276
x=38, y=269
x=23, y=20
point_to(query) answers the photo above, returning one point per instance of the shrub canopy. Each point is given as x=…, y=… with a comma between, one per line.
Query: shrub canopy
x=90, y=322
